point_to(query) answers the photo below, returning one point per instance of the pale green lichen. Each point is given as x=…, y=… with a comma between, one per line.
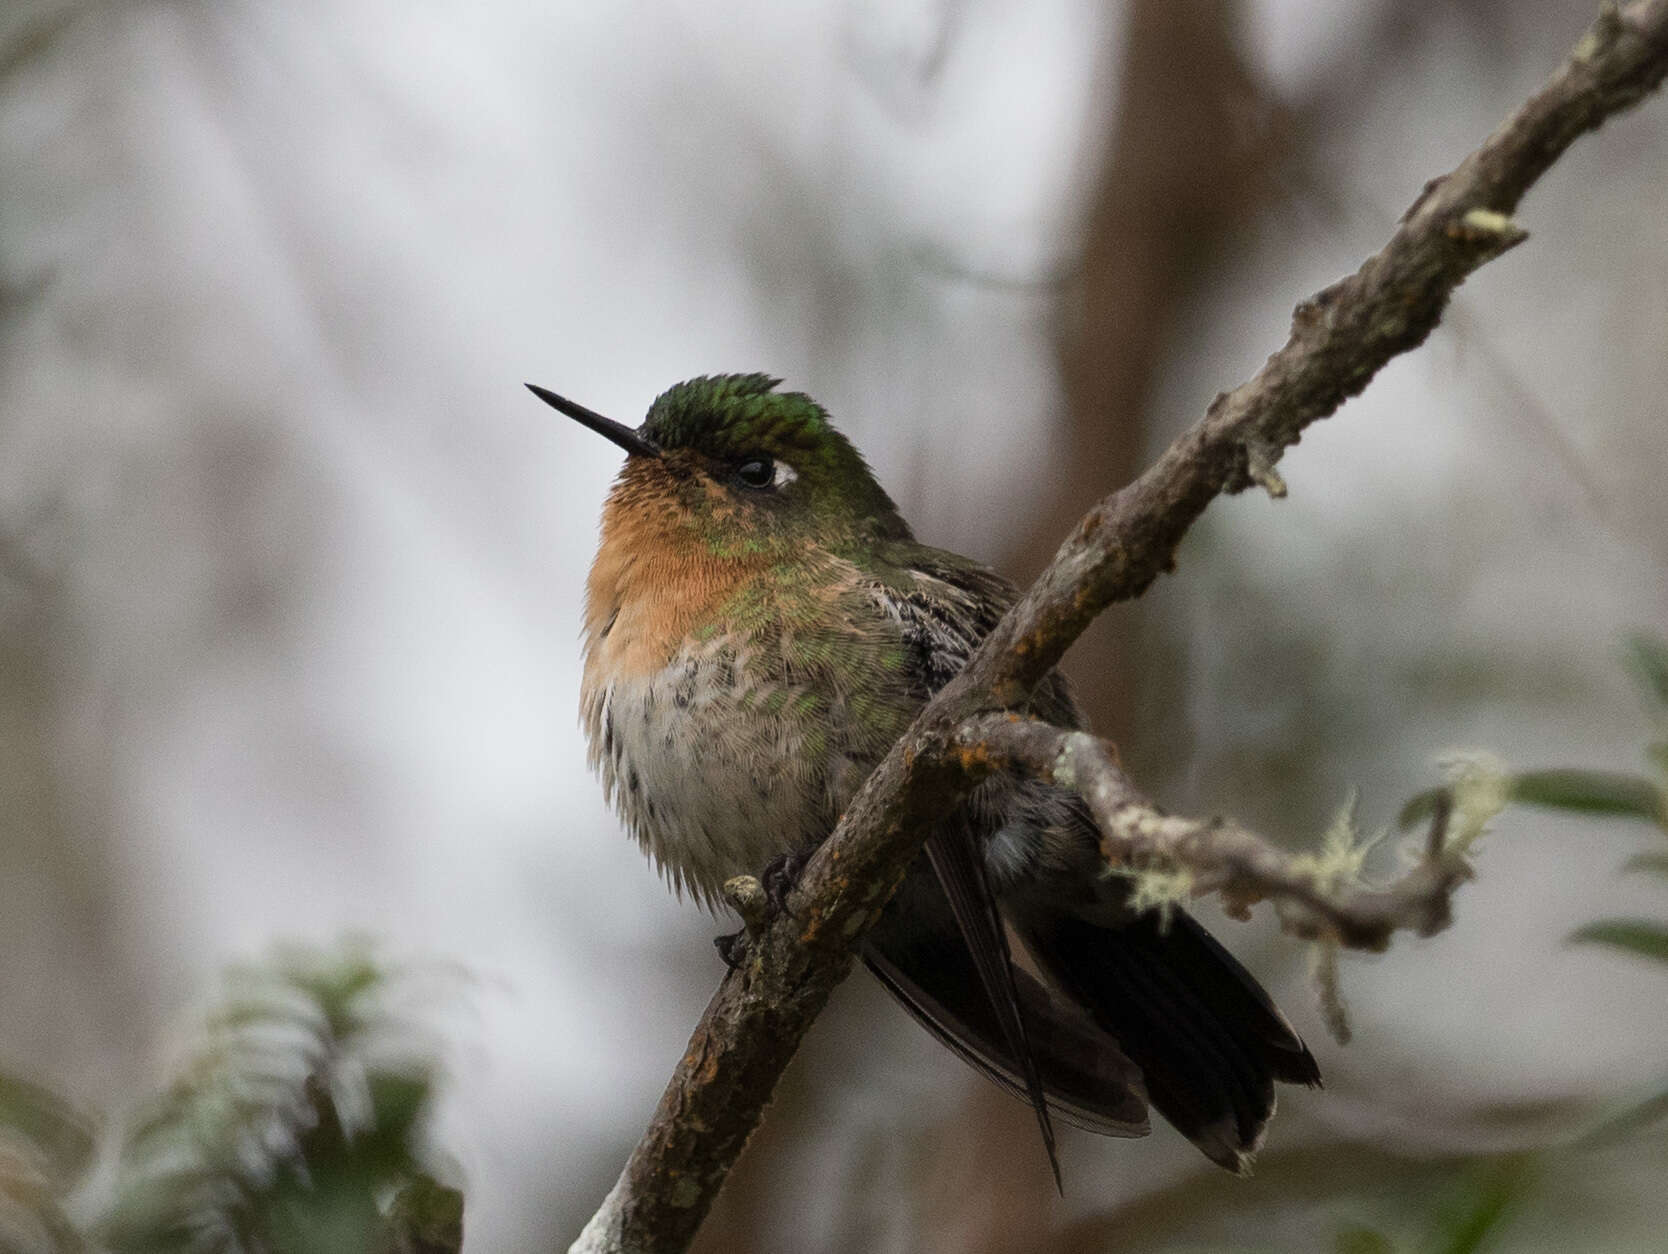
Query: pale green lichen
x=1600, y=35
x=1329, y=992
x=1481, y=788
x=1259, y=464
x=1064, y=769
x=1343, y=852
x=1160, y=888
x=1335, y=868
x=747, y=895
x=1490, y=221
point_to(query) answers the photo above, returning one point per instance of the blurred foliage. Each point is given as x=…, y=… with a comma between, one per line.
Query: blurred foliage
x=294, y=1128
x=1486, y=1199
x=1464, y=1220
x=46, y=1148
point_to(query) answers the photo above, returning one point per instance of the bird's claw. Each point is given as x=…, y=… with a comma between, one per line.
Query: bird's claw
x=732, y=948
x=759, y=902
x=781, y=877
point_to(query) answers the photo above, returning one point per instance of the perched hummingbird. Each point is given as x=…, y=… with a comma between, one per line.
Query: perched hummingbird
x=760, y=627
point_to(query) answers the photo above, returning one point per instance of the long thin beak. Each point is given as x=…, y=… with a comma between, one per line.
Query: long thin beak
x=626, y=437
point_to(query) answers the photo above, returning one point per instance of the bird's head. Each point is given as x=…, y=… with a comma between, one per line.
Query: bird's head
x=744, y=469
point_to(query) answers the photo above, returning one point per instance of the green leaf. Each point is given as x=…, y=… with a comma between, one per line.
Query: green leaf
x=1648, y=656
x=58, y=1134
x=319, y=1213
x=426, y=1218
x=1657, y=752
x=1359, y=1240
x=1636, y=936
x=1633, y=1118
x=1653, y=862
x=397, y=1101
x=1590, y=792
x=1491, y=1193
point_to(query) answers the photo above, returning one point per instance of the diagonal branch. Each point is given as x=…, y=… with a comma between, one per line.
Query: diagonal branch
x=1339, y=340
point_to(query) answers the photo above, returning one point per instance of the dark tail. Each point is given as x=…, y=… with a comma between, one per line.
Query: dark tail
x=1206, y=1037
x=919, y=954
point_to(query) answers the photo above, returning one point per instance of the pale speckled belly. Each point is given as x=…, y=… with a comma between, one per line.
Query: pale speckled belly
x=713, y=775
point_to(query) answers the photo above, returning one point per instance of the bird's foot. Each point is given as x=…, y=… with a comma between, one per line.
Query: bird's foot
x=781, y=876
x=732, y=948
x=759, y=901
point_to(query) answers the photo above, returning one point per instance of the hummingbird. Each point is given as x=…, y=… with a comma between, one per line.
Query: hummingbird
x=760, y=627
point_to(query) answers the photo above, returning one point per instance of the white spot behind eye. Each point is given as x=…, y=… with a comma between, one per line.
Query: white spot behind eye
x=785, y=474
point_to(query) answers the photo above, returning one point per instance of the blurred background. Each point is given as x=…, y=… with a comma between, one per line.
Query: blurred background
x=291, y=566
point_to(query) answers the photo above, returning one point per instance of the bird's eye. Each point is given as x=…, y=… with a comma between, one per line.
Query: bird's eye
x=764, y=472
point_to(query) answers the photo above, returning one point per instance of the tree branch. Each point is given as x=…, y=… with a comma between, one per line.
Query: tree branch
x=1319, y=898
x=1339, y=339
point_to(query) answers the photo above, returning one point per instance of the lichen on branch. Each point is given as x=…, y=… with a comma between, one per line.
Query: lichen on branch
x=1320, y=897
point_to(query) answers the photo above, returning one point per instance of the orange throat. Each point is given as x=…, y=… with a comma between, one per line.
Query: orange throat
x=651, y=587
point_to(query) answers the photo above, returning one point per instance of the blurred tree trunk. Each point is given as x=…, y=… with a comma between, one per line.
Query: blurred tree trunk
x=73, y=1000
x=1191, y=138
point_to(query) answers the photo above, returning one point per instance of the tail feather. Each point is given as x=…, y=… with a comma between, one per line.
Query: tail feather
x=1137, y=1012
x=1086, y=1081
x=1235, y=993
x=1206, y=1037
x=1198, y=1076
x=919, y=955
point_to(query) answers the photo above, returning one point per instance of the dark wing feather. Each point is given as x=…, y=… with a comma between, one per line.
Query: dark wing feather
x=960, y=868
x=942, y=616
x=1170, y=1004
x=1089, y=1082
x=951, y=605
